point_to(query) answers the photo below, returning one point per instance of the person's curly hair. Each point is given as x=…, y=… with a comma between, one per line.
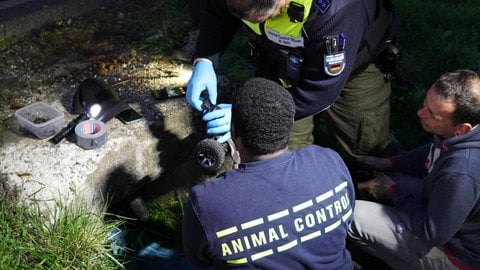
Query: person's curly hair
x=263, y=113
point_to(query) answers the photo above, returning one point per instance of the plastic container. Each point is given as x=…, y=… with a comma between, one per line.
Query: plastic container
x=40, y=119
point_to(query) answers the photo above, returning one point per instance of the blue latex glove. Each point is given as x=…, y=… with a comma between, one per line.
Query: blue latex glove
x=218, y=122
x=203, y=77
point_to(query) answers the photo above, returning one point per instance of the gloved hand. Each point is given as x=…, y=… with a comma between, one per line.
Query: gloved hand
x=218, y=122
x=203, y=77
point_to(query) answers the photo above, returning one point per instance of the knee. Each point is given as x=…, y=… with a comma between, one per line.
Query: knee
x=355, y=228
x=353, y=233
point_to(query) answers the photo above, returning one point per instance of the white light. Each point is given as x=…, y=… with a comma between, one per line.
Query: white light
x=95, y=110
x=184, y=75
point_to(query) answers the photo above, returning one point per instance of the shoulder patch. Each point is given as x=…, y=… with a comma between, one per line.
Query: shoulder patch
x=322, y=5
x=334, y=55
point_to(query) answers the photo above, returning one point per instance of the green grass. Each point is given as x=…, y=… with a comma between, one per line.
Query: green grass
x=166, y=213
x=76, y=238
x=164, y=29
x=436, y=37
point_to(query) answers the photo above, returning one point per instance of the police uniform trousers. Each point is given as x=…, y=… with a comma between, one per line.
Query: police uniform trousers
x=359, y=118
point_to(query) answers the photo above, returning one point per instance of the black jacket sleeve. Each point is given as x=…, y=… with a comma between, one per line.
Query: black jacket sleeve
x=317, y=90
x=217, y=28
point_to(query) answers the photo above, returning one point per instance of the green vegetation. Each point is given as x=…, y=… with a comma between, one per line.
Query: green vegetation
x=3, y=44
x=167, y=25
x=69, y=237
x=437, y=36
x=167, y=214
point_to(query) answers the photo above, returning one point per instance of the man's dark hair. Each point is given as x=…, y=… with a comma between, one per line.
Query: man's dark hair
x=462, y=87
x=263, y=113
x=244, y=8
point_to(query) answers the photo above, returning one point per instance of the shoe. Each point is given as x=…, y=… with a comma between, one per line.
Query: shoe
x=186, y=52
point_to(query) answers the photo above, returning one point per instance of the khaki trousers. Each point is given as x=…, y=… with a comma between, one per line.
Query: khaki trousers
x=359, y=118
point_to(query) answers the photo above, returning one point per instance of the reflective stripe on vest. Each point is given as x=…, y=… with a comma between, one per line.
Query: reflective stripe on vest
x=281, y=30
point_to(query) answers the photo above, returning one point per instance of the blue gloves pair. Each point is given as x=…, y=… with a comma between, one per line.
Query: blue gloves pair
x=204, y=77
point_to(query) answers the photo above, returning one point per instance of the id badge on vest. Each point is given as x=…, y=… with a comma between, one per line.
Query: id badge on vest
x=334, y=55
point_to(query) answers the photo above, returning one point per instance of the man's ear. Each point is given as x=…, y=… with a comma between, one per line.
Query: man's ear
x=463, y=129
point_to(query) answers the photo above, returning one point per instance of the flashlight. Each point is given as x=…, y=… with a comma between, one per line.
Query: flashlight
x=93, y=112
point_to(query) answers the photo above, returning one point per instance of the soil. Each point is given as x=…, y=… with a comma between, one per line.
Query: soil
x=119, y=45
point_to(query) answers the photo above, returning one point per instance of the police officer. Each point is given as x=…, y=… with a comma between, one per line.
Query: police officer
x=324, y=52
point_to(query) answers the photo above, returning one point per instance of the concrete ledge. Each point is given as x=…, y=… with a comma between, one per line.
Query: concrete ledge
x=34, y=169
